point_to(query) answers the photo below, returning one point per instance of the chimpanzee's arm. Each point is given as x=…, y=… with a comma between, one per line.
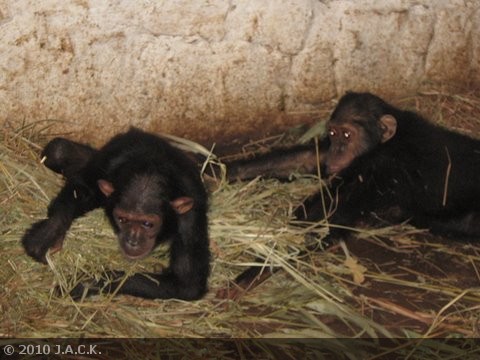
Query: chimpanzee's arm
x=343, y=207
x=72, y=201
x=75, y=199
x=278, y=164
x=149, y=286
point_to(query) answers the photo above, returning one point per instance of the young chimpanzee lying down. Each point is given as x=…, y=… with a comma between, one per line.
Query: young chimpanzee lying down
x=391, y=163
x=151, y=193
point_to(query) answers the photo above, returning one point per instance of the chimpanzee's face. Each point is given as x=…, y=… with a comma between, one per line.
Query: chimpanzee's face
x=137, y=232
x=356, y=128
x=140, y=212
x=347, y=141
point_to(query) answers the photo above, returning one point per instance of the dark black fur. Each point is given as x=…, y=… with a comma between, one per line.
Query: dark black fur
x=408, y=172
x=166, y=174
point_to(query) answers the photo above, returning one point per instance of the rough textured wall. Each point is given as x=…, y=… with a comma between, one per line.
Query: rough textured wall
x=213, y=69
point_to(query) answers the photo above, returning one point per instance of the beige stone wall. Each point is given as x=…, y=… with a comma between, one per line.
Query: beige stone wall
x=215, y=69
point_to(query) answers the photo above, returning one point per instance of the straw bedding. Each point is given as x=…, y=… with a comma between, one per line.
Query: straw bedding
x=389, y=282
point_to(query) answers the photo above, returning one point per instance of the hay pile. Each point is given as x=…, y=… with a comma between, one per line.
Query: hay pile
x=411, y=285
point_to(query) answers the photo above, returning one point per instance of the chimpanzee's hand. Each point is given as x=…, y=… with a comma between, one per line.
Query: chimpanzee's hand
x=85, y=288
x=91, y=286
x=41, y=236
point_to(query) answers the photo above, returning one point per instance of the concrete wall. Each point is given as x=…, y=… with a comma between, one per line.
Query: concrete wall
x=215, y=69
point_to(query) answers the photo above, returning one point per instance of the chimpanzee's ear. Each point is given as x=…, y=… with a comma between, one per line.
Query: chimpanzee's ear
x=182, y=204
x=106, y=187
x=389, y=126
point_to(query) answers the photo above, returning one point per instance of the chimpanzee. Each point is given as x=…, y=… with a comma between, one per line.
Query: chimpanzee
x=398, y=166
x=388, y=158
x=151, y=193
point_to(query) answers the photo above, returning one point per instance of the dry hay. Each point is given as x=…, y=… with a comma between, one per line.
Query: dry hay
x=390, y=282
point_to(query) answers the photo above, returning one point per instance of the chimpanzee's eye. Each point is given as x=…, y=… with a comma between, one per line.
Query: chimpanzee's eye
x=347, y=134
x=332, y=132
x=147, y=224
x=122, y=220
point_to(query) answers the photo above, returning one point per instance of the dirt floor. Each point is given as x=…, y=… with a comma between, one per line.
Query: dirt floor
x=395, y=282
